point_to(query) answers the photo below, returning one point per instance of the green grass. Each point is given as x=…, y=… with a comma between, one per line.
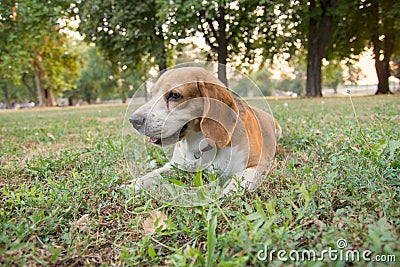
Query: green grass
x=330, y=181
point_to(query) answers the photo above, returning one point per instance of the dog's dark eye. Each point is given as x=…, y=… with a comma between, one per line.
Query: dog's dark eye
x=174, y=96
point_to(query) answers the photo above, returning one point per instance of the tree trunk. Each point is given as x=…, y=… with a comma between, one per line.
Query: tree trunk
x=318, y=37
x=123, y=97
x=222, y=46
x=222, y=66
x=162, y=59
x=31, y=90
x=7, y=95
x=38, y=88
x=382, y=71
x=49, y=98
x=45, y=96
x=314, y=64
x=335, y=89
x=162, y=62
x=88, y=94
x=382, y=65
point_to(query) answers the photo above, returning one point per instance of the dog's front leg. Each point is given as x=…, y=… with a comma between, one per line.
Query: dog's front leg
x=150, y=178
x=248, y=179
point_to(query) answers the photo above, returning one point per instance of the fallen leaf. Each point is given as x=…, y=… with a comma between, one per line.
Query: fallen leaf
x=157, y=219
x=83, y=220
x=50, y=135
x=148, y=226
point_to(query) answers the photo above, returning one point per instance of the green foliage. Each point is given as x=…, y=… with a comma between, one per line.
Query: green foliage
x=295, y=82
x=31, y=42
x=370, y=19
x=127, y=32
x=298, y=14
x=325, y=30
x=60, y=63
x=135, y=37
x=382, y=18
x=333, y=74
x=94, y=79
x=262, y=79
x=239, y=27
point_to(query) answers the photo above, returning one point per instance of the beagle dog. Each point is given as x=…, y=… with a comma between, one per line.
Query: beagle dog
x=210, y=128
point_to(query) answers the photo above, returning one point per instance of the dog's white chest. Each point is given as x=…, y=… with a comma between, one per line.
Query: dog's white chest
x=193, y=153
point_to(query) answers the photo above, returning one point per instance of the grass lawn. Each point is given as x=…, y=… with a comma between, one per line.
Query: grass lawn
x=61, y=205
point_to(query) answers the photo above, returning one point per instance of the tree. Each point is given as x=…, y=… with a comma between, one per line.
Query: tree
x=232, y=29
x=371, y=23
x=260, y=79
x=32, y=44
x=323, y=28
x=298, y=64
x=383, y=23
x=10, y=50
x=319, y=34
x=185, y=52
x=133, y=79
x=125, y=31
x=352, y=73
x=94, y=78
x=55, y=68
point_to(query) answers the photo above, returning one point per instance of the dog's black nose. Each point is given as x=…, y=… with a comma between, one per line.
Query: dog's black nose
x=137, y=121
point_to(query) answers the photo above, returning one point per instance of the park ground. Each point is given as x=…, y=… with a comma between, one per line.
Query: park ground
x=336, y=176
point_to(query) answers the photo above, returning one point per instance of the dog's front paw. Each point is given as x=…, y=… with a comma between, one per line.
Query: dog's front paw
x=144, y=182
x=136, y=185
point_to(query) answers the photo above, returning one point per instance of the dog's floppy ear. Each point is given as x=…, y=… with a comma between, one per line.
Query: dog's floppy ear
x=220, y=113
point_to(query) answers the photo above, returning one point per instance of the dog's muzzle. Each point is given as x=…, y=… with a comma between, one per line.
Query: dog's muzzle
x=137, y=121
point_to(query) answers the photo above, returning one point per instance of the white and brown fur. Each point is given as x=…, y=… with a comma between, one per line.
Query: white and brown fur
x=209, y=128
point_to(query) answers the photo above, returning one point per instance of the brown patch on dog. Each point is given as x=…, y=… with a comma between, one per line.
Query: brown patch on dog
x=219, y=118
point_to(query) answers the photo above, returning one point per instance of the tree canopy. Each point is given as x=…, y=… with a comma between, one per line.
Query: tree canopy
x=382, y=18
x=235, y=31
x=38, y=56
x=127, y=32
x=32, y=44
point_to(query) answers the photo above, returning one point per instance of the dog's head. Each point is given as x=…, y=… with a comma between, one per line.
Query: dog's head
x=187, y=99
